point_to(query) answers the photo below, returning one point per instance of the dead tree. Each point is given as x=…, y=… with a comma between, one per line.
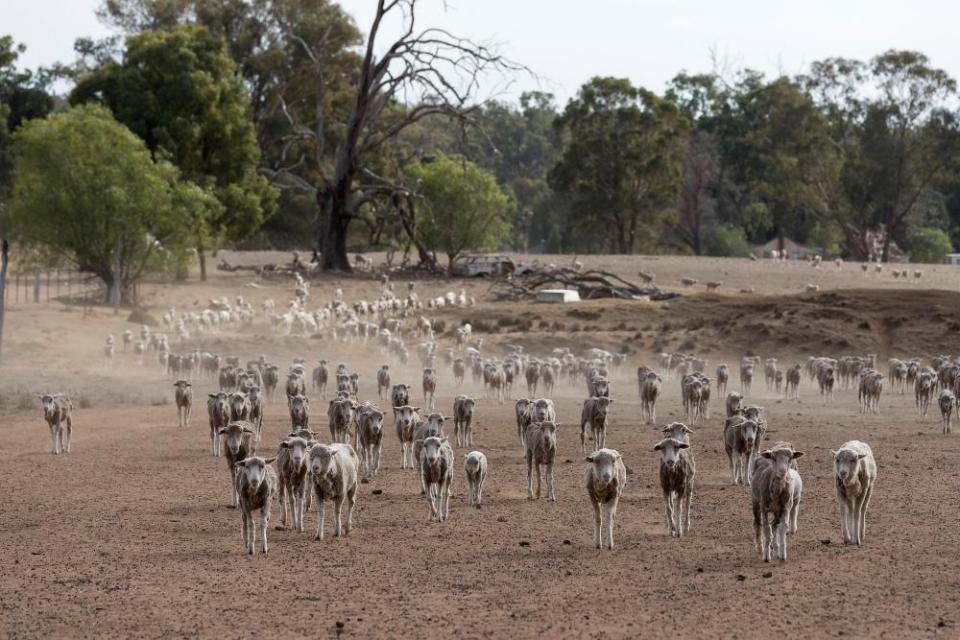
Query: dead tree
x=426, y=72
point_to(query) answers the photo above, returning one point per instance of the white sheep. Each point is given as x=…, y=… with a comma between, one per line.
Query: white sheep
x=333, y=474
x=606, y=477
x=475, y=465
x=855, y=471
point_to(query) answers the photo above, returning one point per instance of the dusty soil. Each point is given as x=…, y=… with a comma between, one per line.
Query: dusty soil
x=130, y=536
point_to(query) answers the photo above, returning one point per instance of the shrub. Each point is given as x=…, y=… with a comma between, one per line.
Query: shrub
x=928, y=244
x=726, y=241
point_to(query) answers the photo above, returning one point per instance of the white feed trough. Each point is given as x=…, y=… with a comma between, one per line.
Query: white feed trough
x=558, y=295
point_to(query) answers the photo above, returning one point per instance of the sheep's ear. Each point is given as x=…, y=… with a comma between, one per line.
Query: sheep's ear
x=212, y=395
x=834, y=452
x=687, y=429
x=658, y=446
x=683, y=445
x=797, y=454
x=189, y=384
x=269, y=460
x=285, y=444
x=767, y=454
x=861, y=456
x=589, y=458
x=239, y=463
x=417, y=409
x=222, y=430
x=397, y=408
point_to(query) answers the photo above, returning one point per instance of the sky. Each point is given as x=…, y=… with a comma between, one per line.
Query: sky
x=566, y=42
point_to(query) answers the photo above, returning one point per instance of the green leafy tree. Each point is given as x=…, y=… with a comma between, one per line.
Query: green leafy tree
x=178, y=90
x=85, y=185
x=462, y=207
x=726, y=240
x=621, y=165
x=928, y=244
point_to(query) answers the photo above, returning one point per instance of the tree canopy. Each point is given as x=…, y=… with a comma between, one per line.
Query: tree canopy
x=84, y=185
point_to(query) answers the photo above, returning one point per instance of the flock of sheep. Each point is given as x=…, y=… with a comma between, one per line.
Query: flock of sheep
x=303, y=471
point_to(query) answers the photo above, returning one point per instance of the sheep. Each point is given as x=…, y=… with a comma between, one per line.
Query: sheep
x=533, y=378
x=523, y=417
x=255, y=482
x=108, y=347
x=825, y=381
x=871, y=387
x=319, y=377
x=299, y=407
x=459, y=371
x=792, y=388
x=333, y=474
x=436, y=475
x=746, y=377
x=548, y=379
x=292, y=471
x=677, y=471
x=475, y=466
x=594, y=413
x=430, y=427
x=429, y=387
x=770, y=372
x=256, y=409
x=734, y=398
x=855, y=471
x=605, y=479
x=498, y=384
x=383, y=380
x=776, y=490
x=183, y=396
x=341, y=414
x=218, y=410
x=463, y=419
x=947, y=402
x=58, y=412
x=688, y=282
x=238, y=445
x=649, y=392
x=370, y=437
x=295, y=385
x=739, y=437
x=239, y=406
x=271, y=378
x=541, y=449
x=923, y=387
x=723, y=375
x=354, y=384
x=406, y=420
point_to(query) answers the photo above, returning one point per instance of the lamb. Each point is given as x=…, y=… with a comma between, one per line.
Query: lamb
x=541, y=449
x=533, y=378
x=871, y=387
x=855, y=471
x=923, y=387
x=299, y=407
x=825, y=380
x=947, y=402
x=58, y=412
x=429, y=387
x=746, y=377
x=498, y=384
x=370, y=437
x=354, y=384
x=271, y=378
x=238, y=445
x=406, y=420
x=333, y=474
x=292, y=468
x=523, y=417
x=776, y=492
x=463, y=419
x=255, y=482
x=606, y=477
x=548, y=378
x=723, y=375
x=218, y=410
x=594, y=413
x=475, y=466
x=436, y=475
x=739, y=437
x=383, y=380
x=319, y=377
x=459, y=371
x=183, y=396
x=677, y=471
x=649, y=392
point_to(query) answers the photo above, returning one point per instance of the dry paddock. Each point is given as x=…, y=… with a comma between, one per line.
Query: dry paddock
x=130, y=536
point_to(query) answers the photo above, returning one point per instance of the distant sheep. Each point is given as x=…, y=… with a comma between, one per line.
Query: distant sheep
x=58, y=412
x=183, y=396
x=594, y=413
x=947, y=402
x=463, y=419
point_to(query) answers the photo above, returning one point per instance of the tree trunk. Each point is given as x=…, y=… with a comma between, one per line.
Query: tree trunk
x=333, y=238
x=450, y=258
x=203, y=262
x=3, y=287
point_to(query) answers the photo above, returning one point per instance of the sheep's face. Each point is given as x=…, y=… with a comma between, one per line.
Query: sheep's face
x=254, y=470
x=604, y=464
x=669, y=449
x=48, y=404
x=299, y=405
x=472, y=463
x=400, y=394
x=253, y=394
x=341, y=369
x=221, y=404
x=601, y=388
x=342, y=411
x=749, y=430
x=298, y=448
x=602, y=404
x=233, y=436
x=846, y=464
x=752, y=413
x=375, y=422
x=540, y=411
x=468, y=404
x=238, y=402
x=435, y=423
x=781, y=459
x=321, y=459
x=548, y=435
x=431, y=449
x=406, y=415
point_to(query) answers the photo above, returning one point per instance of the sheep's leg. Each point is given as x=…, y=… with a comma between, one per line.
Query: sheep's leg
x=597, y=522
x=376, y=458
x=583, y=446
x=733, y=469
x=479, y=491
x=351, y=503
x=668, y=500
x=337, y=510
x=756, y=527
x=536, y=470
x=433, y=505
x=551, y=483
x=609, y=509
x=300, y=500
x=264, y=521
x=320, y=514
x=767, y=535
x=283, y=506
x=530, y=476
x=53, y=441
x=864, y=503
x=687, y=499
x=794, y=515
x=245, y=531
x=844, y=517
x=445, y=491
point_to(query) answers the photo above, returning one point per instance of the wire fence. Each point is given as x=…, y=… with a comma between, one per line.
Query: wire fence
x=43, y=285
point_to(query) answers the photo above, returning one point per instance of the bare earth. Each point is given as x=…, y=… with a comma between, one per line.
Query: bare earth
x=130, y=536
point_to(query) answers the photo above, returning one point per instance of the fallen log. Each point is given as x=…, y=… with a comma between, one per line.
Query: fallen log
x=591, y=285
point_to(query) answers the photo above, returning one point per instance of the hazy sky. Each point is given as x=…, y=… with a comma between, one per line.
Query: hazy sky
x=567, y=41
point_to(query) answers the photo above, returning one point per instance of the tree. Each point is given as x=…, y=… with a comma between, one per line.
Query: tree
x=422, y=73
x=620, y=168
x=701, y=168
x=178, y=90
x=463, y=208
x=85, y=184
x=928, y=244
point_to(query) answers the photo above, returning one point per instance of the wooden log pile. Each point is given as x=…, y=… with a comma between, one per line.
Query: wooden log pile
x=591, y=285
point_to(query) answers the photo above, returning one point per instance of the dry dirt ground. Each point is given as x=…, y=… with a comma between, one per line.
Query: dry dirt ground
x=130, y=536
